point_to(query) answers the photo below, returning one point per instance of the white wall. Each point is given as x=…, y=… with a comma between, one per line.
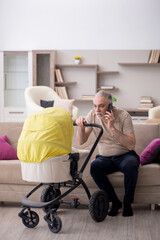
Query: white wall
x=79, y=24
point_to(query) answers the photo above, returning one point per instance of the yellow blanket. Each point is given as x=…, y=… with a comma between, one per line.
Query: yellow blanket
x=46, y=134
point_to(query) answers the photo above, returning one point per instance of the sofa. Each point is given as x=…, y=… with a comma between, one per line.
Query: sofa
x=13, y=188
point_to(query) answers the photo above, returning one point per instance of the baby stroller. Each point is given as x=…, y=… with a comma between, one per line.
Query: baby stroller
x=47, y=173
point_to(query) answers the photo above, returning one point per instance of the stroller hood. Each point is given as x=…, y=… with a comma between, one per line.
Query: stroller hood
x=45, y=134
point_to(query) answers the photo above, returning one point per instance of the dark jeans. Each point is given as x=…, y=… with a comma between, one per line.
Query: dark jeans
x=127, y=163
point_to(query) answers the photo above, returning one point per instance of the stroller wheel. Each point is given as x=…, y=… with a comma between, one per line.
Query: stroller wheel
x=30, y=219
x=54, y=223
x=99, y=205
x=48, y=194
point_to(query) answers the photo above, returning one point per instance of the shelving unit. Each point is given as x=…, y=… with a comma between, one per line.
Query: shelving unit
x=15, y=76
x=136, y=110
x=123, y=73
x=43, y=68
x=140, y=64
x=96, y=78
x=65, y=84
x=83, y=100
x=107, y=72
x=76, y=65
x=15, y=80
x=105, y=87
x=138, y=115
x=81, y=85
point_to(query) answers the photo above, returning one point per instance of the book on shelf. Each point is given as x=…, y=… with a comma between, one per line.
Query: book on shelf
x=154, y=56
x=87, y=97
x=59, y=77
x=106, y=87
x=146, y=102
x=146, y=105
x=61, y=91
x=146, y=99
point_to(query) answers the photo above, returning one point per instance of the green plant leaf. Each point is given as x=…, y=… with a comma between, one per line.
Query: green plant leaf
x=114, y=99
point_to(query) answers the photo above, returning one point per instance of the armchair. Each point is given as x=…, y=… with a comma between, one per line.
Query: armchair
x=34, y=94
x=154, y=115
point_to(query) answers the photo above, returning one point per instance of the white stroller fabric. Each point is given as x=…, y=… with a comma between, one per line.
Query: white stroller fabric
x=53, y=170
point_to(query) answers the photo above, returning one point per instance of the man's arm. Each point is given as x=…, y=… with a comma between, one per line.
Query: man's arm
x=82, y=132
x=127, y=140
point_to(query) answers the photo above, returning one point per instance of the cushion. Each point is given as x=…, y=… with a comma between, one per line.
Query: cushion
x=66, y=104
x=46, y=104
x=151, y=154
x=7, y=152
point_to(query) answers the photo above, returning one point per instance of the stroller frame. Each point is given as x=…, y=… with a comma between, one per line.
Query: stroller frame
x=98, y=204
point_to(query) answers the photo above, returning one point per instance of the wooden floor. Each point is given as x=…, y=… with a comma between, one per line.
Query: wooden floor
x=77, y=224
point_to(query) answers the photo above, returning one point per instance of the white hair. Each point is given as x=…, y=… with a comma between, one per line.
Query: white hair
x=105, y=94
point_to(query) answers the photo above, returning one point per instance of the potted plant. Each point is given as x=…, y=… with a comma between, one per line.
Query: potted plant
x=77, y=59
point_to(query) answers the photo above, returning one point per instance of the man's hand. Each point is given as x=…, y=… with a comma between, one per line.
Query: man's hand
x=109, y=119
x=83, y=132
x=80, y=121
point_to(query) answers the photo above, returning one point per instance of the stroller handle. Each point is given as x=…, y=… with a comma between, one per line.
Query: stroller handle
x=95, y=143
x=90, y=125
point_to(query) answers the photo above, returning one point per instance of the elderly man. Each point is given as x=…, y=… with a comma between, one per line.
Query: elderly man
x=116, y=150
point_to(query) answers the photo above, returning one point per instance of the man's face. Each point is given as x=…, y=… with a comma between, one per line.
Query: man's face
x=100, y=106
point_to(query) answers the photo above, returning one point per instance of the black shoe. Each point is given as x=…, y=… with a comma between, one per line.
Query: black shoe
x=114, y=209
x=127, y=210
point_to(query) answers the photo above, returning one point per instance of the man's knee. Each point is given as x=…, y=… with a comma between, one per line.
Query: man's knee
x=94, y=167
x=131, y=166
x=97, y=167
